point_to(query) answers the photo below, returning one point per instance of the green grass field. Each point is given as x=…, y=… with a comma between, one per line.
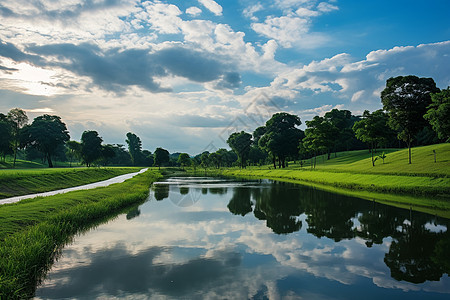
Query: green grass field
x=33, y=231
x=17, y=182
x=423, y=185
x=396, y=162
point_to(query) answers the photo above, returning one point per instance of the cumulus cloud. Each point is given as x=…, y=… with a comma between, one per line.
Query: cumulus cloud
x=193, y=11
x=115, y=70
x=212, y=6
x=293, y=27
x=356, y=81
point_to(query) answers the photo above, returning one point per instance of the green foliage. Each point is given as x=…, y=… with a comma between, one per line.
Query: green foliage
x=91, y=147
x=281, y=137
x=184, y=159
x=438, y=113
x=134, y=148
x=240, y=142
x=46, y=134
x=319, y=136
x=17, y=118
x=161, y=157
x=406, y=99
x=6, y=136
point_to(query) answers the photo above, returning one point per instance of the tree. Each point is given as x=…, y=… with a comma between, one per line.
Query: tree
x=161, y=157
x=6, y=137
x=373, y=129
x=91, y=147
x=281, y=137
x=438, y=114
x=204, y=159
x=342, y=124
x=18, y=119
x=184, y=159
x=73, y=150
x=240, y=142
x=134, y=147
x=406, y=99
x=47, y=133
x=107, y=153
x=318, y=136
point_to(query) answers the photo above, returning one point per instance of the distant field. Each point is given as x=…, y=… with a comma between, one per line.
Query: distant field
x=396, y=162
x=393, y=182
x=17, y=182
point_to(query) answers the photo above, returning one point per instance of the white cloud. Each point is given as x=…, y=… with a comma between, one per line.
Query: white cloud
x=326, y=7
x=250, y=11
x=193, y=11
x=212, y=6
x=356, y=96
x=286, y=29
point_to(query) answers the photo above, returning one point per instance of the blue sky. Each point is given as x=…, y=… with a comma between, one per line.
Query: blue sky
x=184, y=74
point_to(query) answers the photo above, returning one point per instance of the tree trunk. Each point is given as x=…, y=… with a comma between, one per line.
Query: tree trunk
x=373, y=165
x=49, y=159
x=15, y=153
x=409, y=150
x=274, y=162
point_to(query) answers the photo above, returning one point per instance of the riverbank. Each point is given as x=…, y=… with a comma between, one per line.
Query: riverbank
x=33, y=231
x=23, y=182
x=423, y=185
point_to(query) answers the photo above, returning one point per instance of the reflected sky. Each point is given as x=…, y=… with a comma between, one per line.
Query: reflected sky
x=218, y=240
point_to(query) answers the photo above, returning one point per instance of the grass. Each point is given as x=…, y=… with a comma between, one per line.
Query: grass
x=424, y=185
x=30, y=181
x=32, y=232
x=395, y=163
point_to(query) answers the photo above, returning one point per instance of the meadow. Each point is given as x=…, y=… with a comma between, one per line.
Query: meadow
x=18, y=182
x=423, y=185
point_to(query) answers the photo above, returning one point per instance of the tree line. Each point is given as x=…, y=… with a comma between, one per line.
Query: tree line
x=47, y=139
x=414, y=111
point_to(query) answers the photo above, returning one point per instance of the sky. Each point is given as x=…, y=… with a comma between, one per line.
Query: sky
x=184, y=75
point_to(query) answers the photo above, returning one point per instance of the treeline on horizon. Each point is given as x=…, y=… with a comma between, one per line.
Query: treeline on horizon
x=414, y=112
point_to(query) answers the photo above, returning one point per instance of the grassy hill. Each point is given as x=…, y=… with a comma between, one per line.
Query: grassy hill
x=424, y=185
x=396, y=162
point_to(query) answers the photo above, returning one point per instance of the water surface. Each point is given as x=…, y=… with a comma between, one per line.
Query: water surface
x=222, y=239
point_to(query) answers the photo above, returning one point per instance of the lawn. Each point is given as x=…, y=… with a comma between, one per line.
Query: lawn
x=17, y=182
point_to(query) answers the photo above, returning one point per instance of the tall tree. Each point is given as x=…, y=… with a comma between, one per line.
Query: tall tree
x=73, y=150
x=18, y=119
x=342, y=125
x=406, y=99
x=281, y=137
x=6, y=137
x=161, y=157
x=318, y=136
x=184, y=160
x=438, y=114
x=134, y=147
x=240, y=142
x=47, y=134
x=373, y=129
x=91, y=147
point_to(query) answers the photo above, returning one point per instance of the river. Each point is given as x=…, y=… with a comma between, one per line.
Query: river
x=212, y=238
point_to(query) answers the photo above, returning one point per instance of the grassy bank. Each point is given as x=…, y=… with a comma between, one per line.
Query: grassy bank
x=424, y=185
x=414, y=185
x=23, y=182
x=32, y=232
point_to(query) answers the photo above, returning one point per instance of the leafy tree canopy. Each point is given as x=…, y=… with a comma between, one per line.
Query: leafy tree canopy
x=438, y=113
x=46, y=134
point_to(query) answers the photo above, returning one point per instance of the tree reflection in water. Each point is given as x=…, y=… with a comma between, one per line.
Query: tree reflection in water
x=416, y=254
